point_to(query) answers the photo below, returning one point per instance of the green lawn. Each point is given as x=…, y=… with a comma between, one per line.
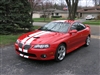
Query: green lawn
x=8, y=39
x=46, y=19
x=11, y=39
x=92, y=22
x=36, y=27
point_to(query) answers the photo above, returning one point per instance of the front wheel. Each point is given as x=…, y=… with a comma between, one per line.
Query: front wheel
x=60, y=52
x=87, y=41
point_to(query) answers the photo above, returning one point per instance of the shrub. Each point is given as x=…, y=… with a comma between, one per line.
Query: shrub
x=56, y=16
x=14, y=14
x=98, y=17
x=43, y=16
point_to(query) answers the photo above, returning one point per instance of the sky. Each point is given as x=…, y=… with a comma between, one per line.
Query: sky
x=81, y=3
x=86, y=3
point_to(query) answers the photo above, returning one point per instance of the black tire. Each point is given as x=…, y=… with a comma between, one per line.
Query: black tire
x=87, y=42
x=60, y=52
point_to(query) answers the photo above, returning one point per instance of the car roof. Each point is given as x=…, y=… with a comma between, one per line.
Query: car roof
x=67, y=21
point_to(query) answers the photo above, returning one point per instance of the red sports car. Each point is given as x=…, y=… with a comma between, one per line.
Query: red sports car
x=53, y=41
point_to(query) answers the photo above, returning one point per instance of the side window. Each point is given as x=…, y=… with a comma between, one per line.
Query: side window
x=80, y=27
x=74, y=26
x=83, y=26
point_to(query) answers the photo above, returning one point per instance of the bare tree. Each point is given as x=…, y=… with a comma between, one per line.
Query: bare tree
x=72, y=8
x=43, y=8
x=46, y=4
x=33, y=3
x=97, y=2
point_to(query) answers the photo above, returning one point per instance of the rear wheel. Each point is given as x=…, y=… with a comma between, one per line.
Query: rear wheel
x=60, y=52
x=87, y=41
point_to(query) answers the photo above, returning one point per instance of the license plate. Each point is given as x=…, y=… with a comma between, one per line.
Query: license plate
x=21, y=55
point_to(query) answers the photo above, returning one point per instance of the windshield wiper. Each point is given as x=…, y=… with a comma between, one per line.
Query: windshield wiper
x=47, y=30
x=51, y=30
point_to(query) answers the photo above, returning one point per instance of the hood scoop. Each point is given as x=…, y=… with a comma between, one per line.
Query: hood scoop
x=36, y=37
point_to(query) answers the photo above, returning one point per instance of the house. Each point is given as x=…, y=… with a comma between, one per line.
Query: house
x=95, y=11
x=36, y=14
x=51, y=12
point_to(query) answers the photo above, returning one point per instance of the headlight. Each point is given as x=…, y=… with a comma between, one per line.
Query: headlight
x=41, y=46
x=17, y=41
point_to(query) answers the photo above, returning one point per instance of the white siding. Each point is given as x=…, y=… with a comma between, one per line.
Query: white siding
x=64, y=15
x=36, y=15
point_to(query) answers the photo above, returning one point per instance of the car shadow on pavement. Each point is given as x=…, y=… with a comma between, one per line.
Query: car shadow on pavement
x=37, y=62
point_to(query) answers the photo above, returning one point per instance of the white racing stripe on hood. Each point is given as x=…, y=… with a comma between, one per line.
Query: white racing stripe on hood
x=41, y=34
x=29, y=39
x=36, y=33
x=32, y=38
x=25, y=39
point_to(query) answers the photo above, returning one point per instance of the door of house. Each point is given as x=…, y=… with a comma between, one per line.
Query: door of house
x=80, y=14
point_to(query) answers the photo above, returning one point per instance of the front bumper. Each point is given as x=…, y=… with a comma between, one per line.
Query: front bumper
x=38, y=54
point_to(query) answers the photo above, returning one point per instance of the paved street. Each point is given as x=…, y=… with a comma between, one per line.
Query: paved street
x=39, y=23
x=95, y=30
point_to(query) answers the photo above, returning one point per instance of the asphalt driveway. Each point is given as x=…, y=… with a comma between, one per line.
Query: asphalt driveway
x=83, y=61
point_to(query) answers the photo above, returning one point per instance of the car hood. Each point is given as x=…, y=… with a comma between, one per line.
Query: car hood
x=40, y=37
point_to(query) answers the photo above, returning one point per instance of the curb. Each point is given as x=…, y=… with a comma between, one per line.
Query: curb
x=95, y=36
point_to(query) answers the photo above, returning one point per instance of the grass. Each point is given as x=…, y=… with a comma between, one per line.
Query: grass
x=46, y=19
x=36, y=27
x=92, y=22
x=8, y=39
x=11, y=39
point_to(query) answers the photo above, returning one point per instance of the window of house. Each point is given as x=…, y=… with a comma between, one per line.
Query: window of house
x=52, y=14
x=57, y=14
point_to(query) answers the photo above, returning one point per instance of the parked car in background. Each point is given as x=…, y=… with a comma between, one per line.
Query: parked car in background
x=53, y=41
x=89, y=17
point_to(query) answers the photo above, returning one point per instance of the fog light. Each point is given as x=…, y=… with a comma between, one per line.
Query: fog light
x=43, y=56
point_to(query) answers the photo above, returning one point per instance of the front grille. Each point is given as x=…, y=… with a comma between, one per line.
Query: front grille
x=28, y=54
x=27, y=46
x=20, y=45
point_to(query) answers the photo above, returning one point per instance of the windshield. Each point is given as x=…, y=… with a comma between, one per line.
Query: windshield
x=56, y=26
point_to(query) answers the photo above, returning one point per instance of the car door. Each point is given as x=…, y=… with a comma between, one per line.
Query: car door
x=83, y=33
x=73, y=40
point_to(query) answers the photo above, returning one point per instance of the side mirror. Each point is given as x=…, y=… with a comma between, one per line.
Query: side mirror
x=73, y=31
